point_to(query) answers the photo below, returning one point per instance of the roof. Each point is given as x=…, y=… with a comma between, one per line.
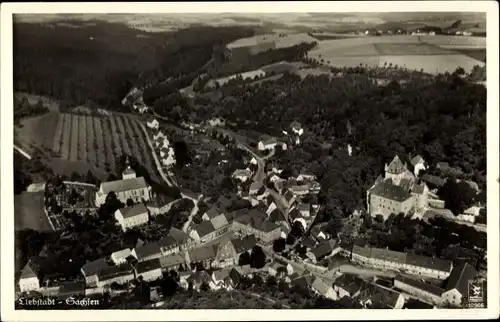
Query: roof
x=172, y=260
x=160, y=201
x=114, y=271
x=323, y=249
x=421, y=285
x=204, y=228
x=405, y=183
x=419, y=188
x=288, y=195
x=146, y=266
x=362, y=251
x=242, y=173
x=380, y=297
x=299, y=188
x=28, y=271
x=124, y=185
x=416, y=159
x=435, y=180
x=257, y=222
x=270, y=140
x=167, y=241
x=135, y=210
x=213, y=212
x=128, y=170
x=349, y=303
x=304, y=207
x=219, y=221
x=202, y=253
x=294, y=214
x=412, y=303
x=255, y=186
x=178, y=235
x=388, y=255
x=460, y=277
x=92, y=268
x=244, y=244
x=147, y=250
x=276, y=216
x=124, y=253
x=396, y=166
x=321, y=286
x=303, y=281
x=390, y=191
x=429, y=262
x=350, y=283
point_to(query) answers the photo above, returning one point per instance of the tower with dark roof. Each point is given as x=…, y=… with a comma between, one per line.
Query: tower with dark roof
x=395, y=170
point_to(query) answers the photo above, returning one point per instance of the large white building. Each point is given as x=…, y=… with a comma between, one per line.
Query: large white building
x=132, y=216
x=130, y=187
x=29, y=280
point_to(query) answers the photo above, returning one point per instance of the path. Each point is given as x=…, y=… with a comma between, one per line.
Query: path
x=193, y=213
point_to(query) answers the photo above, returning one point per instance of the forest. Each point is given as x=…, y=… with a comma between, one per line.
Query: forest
x=98, y=63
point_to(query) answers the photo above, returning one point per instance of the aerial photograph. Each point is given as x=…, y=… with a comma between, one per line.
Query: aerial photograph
x=250, y=161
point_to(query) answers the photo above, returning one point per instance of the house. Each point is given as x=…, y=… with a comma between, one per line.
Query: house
x=348, y=285
x=276, y=269
x=325, y=249
x=197, y=279
x=256, y=223
x=418, y=164
x=168, y=245
x=376, y=297
x=211, y=213
x=323, y=288
x=29, y=279
x=318, y=231
x=147, y=252
x=457, y=285
x=314, y=187
x=276, y=216
x=120, y=257
x=204, y=256
x=419, y=289
x=130, y=187
x=182, y=239
x=304, y=209
x=254, y=187
x=172, y=261
x=267, y=143
x=296, y=128
x=290, y=198
x=242, y=174
x=203, y=232
x=227, y=278
x=158, y=135
x=91, y=269
x=299, y=190
x=132, y=216
x=420, y=193
x=220, y=221
x=161, y=204
x=228, y=253
x=152, y=123
x=149, y=270
x=115, y=274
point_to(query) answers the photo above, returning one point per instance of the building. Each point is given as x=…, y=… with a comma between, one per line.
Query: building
x=421, y=290
x=172, y=262
x=256, y=223
x=220, y=221
x=161, y=204
x=90, y=271
x=182, y=239
x=130, y=187
x=242, y=174
x=304, y=209
x=227, y=278
x=347, y=286
x=323, y=288
x=203, y=232
x=418, y=164
x=29, y=279
x=267, y=143
x=120, y=257
x=196, y=280
x=297, y=128
x=203, y=256
x=152, y=123
x=376, y=297
x=290, y=198
x=132, y=216
x=386, y=199
x=420, y=194
x=325, y=249
x=168, y=245
x=211, y=213
x=149, y=270
x=408, y=263
x=147, y=252
x=121, y=274
x=228, y=253
x=254, y=188
x=299, y=190
x=457, y=286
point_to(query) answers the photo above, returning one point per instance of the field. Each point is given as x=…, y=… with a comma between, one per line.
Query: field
x=29, y=214
x=75, y=142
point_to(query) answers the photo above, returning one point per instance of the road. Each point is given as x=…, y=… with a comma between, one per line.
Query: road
x=193, y=213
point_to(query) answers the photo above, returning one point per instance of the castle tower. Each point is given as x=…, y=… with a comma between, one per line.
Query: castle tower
x=395, y=170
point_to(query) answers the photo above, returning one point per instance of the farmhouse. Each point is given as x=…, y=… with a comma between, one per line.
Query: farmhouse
x=161, y=204
x=153, y=123
x=267, y=143
x=130, y=187
x=132, y=216
x=120, y=257
x=115, y=274
x=29, y=280
x=91, y=269
x=149, y=270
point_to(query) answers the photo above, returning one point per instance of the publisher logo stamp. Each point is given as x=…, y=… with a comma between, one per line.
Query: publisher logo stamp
x=476, y=294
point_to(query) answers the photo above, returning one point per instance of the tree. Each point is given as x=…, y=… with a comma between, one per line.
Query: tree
x=458, y=196
x=279, y=245
x=297, y=229
x=130, y=202
x=258, y=258
x=244, y=259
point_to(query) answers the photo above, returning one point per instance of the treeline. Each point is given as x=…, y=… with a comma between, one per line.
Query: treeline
x=100, y=63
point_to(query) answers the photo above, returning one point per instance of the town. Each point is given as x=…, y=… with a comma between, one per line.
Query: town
x=250, y=184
